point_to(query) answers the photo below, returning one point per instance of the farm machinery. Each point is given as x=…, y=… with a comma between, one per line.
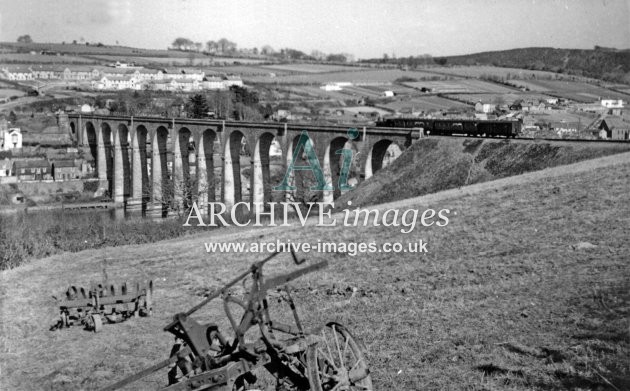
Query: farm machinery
x=104, y=303
x=204, y=358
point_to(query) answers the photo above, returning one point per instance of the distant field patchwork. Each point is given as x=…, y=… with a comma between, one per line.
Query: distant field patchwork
x=357, y=76
x=455, y=86
x=41, y=58
x=578, y=91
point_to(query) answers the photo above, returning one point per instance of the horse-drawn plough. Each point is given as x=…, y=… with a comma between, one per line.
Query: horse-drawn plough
x=204, y=358
x=103, y=303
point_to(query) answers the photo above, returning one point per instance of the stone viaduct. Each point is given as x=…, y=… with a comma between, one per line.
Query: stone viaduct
x=145, y=162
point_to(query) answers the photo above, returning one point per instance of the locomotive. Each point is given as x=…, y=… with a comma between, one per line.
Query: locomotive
x=448, y=127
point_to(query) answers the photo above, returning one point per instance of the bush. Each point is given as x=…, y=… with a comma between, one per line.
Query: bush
x=43, y=234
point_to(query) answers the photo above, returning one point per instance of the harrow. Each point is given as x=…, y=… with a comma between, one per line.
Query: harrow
x=104, y=303
x=203, y=358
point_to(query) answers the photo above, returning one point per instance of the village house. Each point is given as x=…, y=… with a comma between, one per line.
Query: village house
x=17, y=73
x=148, y=74
x=64, y=170
x=231, y=80
x=10, y=138
x=213, y=83
x=31, y=170
x=5, y=167
x=117, y=83
x=161, y=85
x=80, y=73
x=517, y=105
x=484, y=107
x=180, y=73
x=185, y=84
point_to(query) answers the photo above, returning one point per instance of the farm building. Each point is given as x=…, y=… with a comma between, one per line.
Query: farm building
x=616, y=128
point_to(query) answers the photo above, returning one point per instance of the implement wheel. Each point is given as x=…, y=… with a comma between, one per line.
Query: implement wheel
x=95, y=323
x=337, y=363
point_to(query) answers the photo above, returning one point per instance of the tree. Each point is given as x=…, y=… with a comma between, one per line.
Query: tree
x=197, y=106
x=226, y=46
x=266, y=50
x=212, y=46
x=336, y=58
x=25, y=39
x=182, y=43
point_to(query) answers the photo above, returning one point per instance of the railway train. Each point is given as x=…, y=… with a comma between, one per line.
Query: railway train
x=468, y=127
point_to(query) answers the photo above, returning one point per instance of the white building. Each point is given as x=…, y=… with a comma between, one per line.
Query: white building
x=10, y=138
x=213, y=83
x=230, y=81
x=331, y=87
x=612, y=103
x=16, y=73
x=185, y=84
x=117, y=83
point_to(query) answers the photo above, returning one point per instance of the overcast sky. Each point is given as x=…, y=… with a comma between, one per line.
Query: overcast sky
x=365, y=28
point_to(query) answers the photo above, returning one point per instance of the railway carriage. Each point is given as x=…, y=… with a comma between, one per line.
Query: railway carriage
x=450, y=127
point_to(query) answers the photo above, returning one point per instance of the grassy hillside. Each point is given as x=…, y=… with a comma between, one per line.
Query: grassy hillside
x=527, y=288
x=600, y=63
x=439, y=163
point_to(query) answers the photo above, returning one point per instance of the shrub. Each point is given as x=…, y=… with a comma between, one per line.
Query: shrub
x=33, y=236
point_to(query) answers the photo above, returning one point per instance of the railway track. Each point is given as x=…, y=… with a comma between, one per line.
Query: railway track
x=529, y=139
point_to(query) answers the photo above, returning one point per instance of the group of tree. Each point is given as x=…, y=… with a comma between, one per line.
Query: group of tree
x=224, y=46
x=236, y=103
x=410, y=61
x=25, y=39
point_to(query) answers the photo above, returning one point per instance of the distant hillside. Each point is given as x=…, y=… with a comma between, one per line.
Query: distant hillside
x=94, y=48
x=599, y=63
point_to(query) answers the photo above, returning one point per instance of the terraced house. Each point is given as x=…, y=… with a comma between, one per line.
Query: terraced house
x=16, y=73
x=32, y=170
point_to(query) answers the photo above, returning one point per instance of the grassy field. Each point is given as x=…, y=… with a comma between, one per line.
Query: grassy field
x=8, y=92
x=508, y=297
x=426, y=103
x=358, y=75
x=486, y=70
x=462, y=85
x=310, y=68
x=40, y=58
x=578, y=91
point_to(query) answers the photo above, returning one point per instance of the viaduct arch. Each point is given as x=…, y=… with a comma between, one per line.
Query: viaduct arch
x=159, y=164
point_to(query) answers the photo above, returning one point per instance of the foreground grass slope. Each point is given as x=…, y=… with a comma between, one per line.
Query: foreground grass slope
x=509, y=296
x=438, y=163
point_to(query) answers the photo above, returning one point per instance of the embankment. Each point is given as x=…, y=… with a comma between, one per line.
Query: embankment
x=436, y=164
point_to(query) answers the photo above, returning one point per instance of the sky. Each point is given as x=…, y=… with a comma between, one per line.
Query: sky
x=365, y=28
